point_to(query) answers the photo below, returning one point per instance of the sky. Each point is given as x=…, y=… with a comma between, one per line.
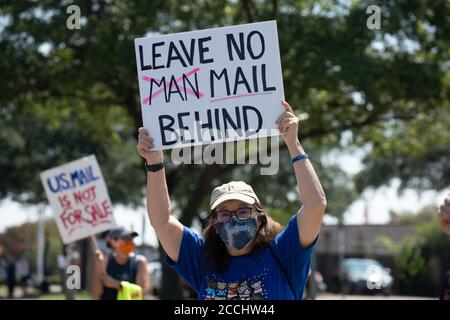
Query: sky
x=380, y=201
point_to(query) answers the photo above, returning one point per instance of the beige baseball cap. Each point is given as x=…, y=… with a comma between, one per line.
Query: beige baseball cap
x=234, y=190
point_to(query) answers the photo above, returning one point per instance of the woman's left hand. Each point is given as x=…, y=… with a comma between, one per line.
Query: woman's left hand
x=288, y=125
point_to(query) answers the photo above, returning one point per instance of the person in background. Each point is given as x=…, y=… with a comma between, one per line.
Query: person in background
x=23, y=274
x=122, y=265
x=3, y=265
x=11, y=281
x=444, y=220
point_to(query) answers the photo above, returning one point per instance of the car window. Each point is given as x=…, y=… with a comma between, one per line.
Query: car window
x=361, y=266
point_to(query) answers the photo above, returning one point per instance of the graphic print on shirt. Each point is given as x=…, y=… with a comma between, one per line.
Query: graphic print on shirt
x=245, y=289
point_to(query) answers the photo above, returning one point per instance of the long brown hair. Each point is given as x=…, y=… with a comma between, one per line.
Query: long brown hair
x=215, y=251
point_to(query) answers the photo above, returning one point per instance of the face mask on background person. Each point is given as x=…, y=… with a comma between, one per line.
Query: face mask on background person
x=125, y=237
x=127, y=247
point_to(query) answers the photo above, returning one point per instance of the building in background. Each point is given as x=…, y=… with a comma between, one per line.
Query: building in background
x=357, y=241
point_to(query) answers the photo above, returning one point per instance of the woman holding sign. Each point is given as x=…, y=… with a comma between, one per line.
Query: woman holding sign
x=243, y=254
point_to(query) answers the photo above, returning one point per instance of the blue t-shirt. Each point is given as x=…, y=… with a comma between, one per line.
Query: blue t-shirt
x=255, y=276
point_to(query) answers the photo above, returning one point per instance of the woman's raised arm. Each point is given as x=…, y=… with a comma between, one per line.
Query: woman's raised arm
x=168, y=229
x=309, y=217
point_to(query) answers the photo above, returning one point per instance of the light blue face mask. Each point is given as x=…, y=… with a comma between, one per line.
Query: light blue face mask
x=236, y=233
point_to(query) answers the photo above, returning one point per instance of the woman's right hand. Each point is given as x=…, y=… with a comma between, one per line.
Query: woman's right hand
x=144, y=147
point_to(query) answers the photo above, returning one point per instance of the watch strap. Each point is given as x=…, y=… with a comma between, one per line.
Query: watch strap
x=154, y=167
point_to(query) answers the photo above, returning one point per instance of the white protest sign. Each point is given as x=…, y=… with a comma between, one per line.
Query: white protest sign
x=212, y=85
x=78, y=196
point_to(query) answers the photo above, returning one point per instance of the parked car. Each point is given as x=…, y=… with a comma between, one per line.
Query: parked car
x=365, y=276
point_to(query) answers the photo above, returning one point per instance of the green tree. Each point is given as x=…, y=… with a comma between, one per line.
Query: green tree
x=21, y=241
x=421, y=260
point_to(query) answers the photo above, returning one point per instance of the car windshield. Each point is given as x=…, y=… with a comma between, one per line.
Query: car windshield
x=362, y=266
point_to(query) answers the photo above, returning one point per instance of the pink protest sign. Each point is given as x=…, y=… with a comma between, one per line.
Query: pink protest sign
x=212, y=85
x=78, y=196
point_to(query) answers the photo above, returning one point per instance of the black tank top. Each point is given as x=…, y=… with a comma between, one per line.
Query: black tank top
x=121, y=272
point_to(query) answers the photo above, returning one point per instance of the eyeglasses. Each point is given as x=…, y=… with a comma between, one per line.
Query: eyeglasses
x=242, y=214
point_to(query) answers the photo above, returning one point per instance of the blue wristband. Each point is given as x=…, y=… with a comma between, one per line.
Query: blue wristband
x=300, y=157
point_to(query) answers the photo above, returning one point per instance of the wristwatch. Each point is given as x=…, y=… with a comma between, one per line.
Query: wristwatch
x=154, y=167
